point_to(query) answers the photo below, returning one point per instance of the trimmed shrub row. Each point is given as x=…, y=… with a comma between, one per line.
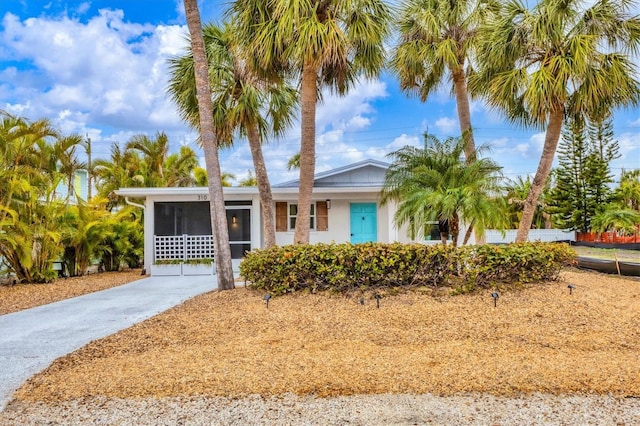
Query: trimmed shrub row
x=346, y=267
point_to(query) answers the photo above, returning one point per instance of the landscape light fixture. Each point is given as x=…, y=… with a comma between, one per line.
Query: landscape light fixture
x=495, y=298
x=377, y=297
x=362, y=300
x=267, y=297
x=571, y=287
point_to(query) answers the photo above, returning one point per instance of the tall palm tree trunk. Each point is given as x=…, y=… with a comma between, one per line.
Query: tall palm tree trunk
x=264, y=187
x=308, y=98
x=464, y=118
x=551, y=139
x=464, y=113
x=455, y=229
x=210, y=145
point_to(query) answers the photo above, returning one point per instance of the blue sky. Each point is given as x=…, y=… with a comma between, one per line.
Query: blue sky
x=99, y=68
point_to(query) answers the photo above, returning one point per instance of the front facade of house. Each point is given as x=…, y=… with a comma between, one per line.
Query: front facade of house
x=345, y=208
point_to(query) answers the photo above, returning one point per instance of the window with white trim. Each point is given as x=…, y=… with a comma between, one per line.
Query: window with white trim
x=293, y=214
x=432, y=231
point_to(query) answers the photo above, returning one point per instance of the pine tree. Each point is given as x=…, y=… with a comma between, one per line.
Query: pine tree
x=566, y=198
x=582, y=178
x=603, y=149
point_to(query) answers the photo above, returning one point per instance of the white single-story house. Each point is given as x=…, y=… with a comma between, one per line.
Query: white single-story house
x=346, y=208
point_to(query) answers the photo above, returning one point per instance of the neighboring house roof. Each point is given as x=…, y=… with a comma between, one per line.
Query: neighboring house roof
x=366, y=173
x=361, y=177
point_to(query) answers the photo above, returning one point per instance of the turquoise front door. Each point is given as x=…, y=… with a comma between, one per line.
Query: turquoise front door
x=364, y=224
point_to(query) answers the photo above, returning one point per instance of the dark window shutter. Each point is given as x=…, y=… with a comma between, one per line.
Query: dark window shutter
x=281, y=216
x=322, y=216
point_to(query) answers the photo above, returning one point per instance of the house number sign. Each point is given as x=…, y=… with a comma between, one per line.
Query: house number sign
x=203, y=197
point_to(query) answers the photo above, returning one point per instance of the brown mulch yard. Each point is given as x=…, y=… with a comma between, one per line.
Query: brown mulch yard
x=539, y=339
x=17, y=297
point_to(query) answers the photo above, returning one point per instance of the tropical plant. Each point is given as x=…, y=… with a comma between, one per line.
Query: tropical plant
x=516, y=194
x=250, y=180
x=325, y=44
x=623, y=221
x=180, y=168
x=436, y=184
x=243, y=103
x=123, y=244
x=84, y=234
x=437, y=39
x=154, y=151
x=628, y=192
x=581, y=186
x=35, y=161
x=553, y=60
x=293, y=163
x=209, y=140
x=123, y=169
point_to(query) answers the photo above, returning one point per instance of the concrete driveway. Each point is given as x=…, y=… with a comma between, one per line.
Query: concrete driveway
x=32, y=339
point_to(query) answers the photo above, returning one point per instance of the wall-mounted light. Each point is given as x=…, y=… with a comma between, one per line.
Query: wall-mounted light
x=328, y=204
x=234, y=219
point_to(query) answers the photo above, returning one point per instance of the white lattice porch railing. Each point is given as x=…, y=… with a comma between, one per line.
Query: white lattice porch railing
x=198, y=247
x=182, y=247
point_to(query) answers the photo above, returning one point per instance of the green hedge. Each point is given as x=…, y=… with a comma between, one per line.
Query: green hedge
x=345, y=267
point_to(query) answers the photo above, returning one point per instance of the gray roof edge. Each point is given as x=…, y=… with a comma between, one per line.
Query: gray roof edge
x=336, y=171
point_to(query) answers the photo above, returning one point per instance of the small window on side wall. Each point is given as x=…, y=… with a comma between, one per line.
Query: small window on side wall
x=293, y=215
x=287, y=214
x=433, y=231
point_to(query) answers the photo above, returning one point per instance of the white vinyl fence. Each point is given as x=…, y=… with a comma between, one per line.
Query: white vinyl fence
x=543, y=235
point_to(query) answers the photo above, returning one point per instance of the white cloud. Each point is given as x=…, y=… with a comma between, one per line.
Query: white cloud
x=629, y=148
x=402, y=141
x=111, y=72
x=537, y=142
x=357, y=122
x=522, y=148
x=498, y=143
x=347, y=112
x=329, y=138
x=447, y=125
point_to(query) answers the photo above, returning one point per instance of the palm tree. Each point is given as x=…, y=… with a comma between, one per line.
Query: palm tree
x=436, y=40
x=243, y=102
x=624, y=221
x=327, y=43
x=517, y=192
x=436, y=184
x=19, y=159
x=85, y=233
x=155, y=152
x=200, y=176
x=555, y=60
x=627, y=194
x=209, y=142
x=250, y=180
x=181, y=168
x=123, y=169
x=31, y=159
x=294, y=162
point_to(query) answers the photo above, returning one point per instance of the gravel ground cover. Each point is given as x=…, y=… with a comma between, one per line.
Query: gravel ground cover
x=364, y=410
x=553, y=357
x=17, y=297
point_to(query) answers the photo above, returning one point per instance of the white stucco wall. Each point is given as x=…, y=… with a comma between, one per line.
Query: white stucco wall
x=340, y=227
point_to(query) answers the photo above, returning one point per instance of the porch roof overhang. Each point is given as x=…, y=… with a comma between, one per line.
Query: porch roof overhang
x=278, y=193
